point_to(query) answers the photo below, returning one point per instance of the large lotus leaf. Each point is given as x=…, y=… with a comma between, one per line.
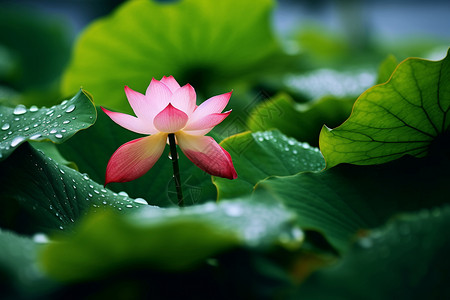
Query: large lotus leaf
x=340, y=201
x=302, y=121
x=19, y=272
x=171, y=239
x=53, y=194
x=197, y=41
x=405, y=259
x=259, y=155
x=57, y=123
x=157, y=186
x=403, y=116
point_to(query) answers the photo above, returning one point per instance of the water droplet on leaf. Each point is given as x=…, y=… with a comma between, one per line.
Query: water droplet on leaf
x=17, y=140
x=71, y=108
x=140, y=201
x=20, y=110
x=35, y=136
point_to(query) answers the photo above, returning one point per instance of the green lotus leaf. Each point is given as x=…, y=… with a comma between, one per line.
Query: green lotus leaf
x=405, y=259
x=301, y=121
x=57, y=123
x=21, y=276
x=170, y=240
x=200, y=42
x=341, y=201
x=406, y=115
x=54, y=195
x=259, y=155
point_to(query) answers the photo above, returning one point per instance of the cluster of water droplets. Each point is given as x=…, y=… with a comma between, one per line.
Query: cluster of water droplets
x=324, y=82
x=21, y=124
x=73, y=194
x=299, y=155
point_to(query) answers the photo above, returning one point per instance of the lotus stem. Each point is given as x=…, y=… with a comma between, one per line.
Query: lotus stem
x=176, y=168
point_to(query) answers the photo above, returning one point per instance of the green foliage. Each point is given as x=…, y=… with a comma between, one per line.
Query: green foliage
x=301, y=121
x=386, y=68
x=345, y=199
x=259, y=155
x=369, y=226
x=197, y=41
x=170, y=240
x=18, y=269
x=405, y=259
x=34, y=49
x=403, y=116
x=57, y=123
x=54, y=195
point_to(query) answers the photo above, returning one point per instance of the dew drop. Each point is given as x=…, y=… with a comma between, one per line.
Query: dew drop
x=58, y=135
x=33, y=108
x=17, y=140
x=62, y=171
x=60, y=227
x=129, y=206
x=53, y=131
x=66, y=122
x=140, y=201
x=20, y=110
x=35, y=136
x=40, y=238
x=71, y=108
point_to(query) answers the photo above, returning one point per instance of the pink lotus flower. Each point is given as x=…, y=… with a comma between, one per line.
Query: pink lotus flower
x=168, y=108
